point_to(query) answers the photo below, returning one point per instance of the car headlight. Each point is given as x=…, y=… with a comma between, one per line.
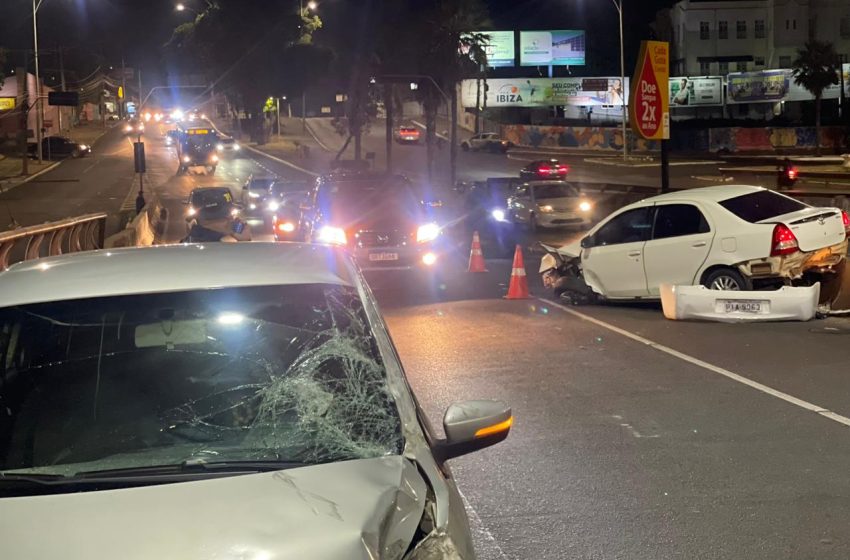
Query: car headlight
x=128, y=128
x=191, y=211
x=214, y=158
x=428, y=232
x=546, y=208
x=83, y=147
x=253, y=194
x=252, y=206
x=186, y=159
x=498, y=214
x=286, y=227
x=141, y=127
x=219, y=147
x=234, y=212
x=273, y=206
x=585, y=206
x=236, y=147
x=332, y=235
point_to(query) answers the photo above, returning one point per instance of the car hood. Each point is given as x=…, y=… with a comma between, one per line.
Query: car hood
x=366, y=509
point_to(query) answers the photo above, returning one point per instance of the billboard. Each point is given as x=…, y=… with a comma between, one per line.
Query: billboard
x=558, y=48
x=499, y=48
x=757, y=87
x=546, y=92
x=696, y=92
x=649, y=101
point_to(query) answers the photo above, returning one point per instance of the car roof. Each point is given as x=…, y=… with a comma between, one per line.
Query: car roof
x=172, y=268
x=209, y=189
x=707, y=194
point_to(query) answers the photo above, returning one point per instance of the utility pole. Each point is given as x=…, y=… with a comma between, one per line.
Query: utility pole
x=303, y=111
x=388, y=108
x=619, y=5
x=39, y=107
x=24, y=125
x=121, y=103
x=140, y=90
x=277, y=100
x=62, y=78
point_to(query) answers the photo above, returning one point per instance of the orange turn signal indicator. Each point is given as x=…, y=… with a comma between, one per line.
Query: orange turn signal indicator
x=495, y=428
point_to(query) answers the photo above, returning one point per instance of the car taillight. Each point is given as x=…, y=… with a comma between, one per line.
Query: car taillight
x=792, y=173
x=562, y=169
x=784, y=242
x=544, y=170
x=846, y=219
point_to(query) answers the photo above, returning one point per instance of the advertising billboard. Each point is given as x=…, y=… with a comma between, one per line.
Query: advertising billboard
x=649, y=102
x=696, y=92
x=546, y=92
x=499, y=48
x=558, y=48
x=757, y=87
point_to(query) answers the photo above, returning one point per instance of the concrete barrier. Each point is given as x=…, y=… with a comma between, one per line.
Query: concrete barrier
x=144, y=230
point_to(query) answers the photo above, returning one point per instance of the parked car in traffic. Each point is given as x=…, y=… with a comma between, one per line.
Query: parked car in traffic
x=59, y=147
x=549, y=204
x=213, y=208
x=382, y=219
x=735, y=237
x=486, y=142
x=228, y=146
x=544, y=169
x=407, y=135
x=255, y=191
x=193, y=381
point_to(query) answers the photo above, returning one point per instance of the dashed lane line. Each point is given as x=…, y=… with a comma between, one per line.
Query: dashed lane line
x=826, y=413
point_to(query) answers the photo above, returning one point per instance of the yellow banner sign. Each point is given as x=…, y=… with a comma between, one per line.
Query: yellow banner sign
x=7, y=103
x=649, y=94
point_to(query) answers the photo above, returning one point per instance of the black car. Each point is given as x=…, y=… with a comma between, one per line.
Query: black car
x=381, y=218
x=209, y=205
x=544, y=170
x=59, y=147
x=255, y=191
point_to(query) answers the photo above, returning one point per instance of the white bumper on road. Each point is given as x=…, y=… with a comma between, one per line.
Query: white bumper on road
x=700, y=303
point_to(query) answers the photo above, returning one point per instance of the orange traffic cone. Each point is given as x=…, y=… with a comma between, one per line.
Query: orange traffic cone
x=476, y=257
x=518, y=288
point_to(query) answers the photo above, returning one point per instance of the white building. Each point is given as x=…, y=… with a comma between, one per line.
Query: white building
x=715, y=37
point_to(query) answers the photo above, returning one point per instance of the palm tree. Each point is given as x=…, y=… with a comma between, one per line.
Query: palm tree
x=816, y=69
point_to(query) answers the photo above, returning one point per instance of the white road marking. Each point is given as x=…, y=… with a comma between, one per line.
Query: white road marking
x=477, y=524
x=826, y=413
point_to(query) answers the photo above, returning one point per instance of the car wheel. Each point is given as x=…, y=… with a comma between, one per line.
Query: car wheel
x=212, y=170
x=726, y=279
x=464, y=147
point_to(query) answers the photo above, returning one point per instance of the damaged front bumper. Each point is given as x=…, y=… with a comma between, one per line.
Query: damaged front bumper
x=794, y=266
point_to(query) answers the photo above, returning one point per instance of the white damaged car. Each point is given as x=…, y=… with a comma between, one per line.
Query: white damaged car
x=160, y=405
x=734, y=237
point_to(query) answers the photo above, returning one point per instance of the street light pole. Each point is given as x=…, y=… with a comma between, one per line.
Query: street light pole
x=39, y=113
x=619, y=6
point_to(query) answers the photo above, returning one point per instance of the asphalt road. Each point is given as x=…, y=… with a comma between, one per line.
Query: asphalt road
x=635, y=437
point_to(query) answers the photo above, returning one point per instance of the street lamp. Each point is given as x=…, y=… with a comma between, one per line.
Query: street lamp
x=311, y=5
x=618, y=4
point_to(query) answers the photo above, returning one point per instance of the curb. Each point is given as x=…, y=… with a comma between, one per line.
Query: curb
x=9, y=185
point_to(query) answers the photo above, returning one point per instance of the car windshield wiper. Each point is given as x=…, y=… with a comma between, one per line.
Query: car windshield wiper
x=30, y=478
x=192, y=467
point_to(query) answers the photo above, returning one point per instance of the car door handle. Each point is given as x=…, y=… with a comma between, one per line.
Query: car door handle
x=634, y=254
x=699, y=244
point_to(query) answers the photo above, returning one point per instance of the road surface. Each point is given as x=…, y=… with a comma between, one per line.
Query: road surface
x=635, y=437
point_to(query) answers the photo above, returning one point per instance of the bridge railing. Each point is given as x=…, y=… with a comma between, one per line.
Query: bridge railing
x=83, y=233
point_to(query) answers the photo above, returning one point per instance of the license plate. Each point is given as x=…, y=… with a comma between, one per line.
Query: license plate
x=383, y=256
x=744, y=306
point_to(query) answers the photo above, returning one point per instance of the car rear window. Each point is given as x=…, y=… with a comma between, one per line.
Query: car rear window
x=761, y=205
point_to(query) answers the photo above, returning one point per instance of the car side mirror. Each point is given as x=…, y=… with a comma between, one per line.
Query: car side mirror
x=587, y=242
x=473, y=425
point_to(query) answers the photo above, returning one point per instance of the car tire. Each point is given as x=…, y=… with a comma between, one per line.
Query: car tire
x=726, y=279
x=464, y=147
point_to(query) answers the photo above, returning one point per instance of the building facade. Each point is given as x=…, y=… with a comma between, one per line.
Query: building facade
x=716, y=37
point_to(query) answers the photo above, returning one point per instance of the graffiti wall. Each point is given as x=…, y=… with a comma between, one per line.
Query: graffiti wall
x=580, y=137
x=715, y=139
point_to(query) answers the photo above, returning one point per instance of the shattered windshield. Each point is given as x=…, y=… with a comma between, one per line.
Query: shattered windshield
x=288, y=373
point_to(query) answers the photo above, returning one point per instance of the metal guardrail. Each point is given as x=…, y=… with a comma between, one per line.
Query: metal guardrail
x=83, y=233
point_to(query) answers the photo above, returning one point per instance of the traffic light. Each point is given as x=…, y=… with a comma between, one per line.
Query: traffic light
x=787, y=175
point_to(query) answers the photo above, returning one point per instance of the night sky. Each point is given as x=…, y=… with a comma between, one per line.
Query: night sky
x=136, y=29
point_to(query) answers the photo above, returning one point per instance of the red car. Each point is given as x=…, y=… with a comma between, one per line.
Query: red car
x=544, y=169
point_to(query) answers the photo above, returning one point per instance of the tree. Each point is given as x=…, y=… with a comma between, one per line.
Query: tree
x=2, y=65
x=815, y=68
